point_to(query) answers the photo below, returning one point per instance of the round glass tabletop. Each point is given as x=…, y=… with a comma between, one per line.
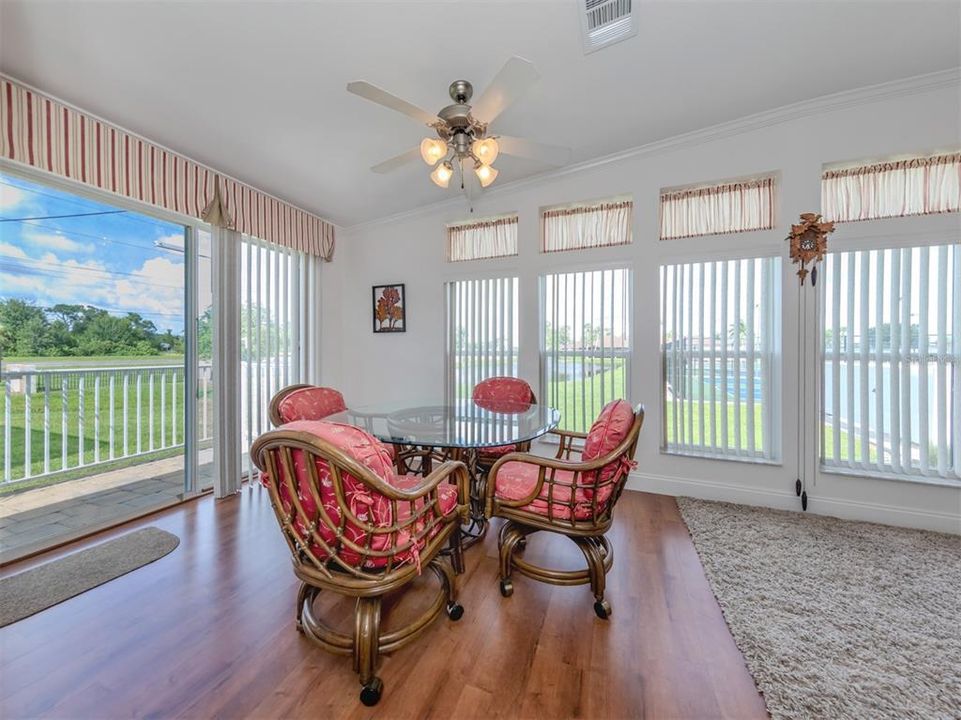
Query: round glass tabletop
x=463, y=424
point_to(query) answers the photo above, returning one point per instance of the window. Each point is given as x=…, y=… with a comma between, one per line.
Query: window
x=720, y=349
x=586, y=347
x=916, y=186
x=482, y=339
x=579, y=227
x=496, y=237
x=728, y=208
x=892, y=344
x=274, y=322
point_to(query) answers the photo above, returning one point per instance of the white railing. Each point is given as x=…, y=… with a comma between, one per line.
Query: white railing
x=73, y=418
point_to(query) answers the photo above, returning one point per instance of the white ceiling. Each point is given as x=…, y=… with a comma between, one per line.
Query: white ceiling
x=257, y=89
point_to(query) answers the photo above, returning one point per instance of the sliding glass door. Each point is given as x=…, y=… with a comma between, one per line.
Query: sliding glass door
x=105, y=410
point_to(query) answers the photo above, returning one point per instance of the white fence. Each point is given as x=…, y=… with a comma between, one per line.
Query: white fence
x=72, y=418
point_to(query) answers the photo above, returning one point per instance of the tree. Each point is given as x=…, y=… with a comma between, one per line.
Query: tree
x=559, y=339
x=24, y=328
x=591, y=337
x=78, y=330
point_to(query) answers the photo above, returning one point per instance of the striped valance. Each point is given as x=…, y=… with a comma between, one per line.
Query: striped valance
x=47, y=134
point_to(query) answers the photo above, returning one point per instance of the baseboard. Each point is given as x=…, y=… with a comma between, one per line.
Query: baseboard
x=842, y=508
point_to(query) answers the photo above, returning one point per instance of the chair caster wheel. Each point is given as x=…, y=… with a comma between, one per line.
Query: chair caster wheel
x=603, y=609
x=370, y=693
x=507, y=588
x=455, y=611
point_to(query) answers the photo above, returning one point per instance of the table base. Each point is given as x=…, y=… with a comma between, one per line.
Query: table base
x=420, y=459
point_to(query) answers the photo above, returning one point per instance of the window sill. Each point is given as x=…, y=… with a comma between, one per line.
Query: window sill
x=744, y=459
x=891, y=477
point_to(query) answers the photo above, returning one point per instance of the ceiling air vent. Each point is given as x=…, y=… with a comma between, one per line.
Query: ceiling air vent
x=604, y=22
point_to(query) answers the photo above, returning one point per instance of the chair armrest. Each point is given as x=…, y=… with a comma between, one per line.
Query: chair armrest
x=546, y=464
x=453, y=470
x=565, y=445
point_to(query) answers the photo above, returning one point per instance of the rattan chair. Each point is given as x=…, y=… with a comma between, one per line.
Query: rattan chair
x=571, y=497
x=304, y=402
x=315, y=402
x=356, y=528
x=502, y=394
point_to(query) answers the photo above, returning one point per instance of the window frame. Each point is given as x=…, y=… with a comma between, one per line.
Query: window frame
x=572, y=267
x=867, y=236
x=775, y=423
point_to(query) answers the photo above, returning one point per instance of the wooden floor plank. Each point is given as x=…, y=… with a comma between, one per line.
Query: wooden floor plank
x=208, y=631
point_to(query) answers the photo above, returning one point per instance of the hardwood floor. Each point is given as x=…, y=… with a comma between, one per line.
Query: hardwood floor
x=208, y=631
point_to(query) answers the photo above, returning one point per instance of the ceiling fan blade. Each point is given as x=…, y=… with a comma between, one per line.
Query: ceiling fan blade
x=512, y=81
x=382, y=97
x=396, y=162
x=520, y=147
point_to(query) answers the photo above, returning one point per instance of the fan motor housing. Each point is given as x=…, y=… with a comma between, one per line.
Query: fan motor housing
x=456, y=116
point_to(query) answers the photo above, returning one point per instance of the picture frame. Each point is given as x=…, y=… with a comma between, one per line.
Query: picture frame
x=389, y=308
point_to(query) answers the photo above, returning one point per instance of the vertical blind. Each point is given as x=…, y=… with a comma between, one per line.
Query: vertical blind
x=587, y=226
x=586, y=345
x=277, y=286
x=720, y=349
x=728, y=208
x=482, y=339
x=909, y=187
x=496, y=237
x=892, y=361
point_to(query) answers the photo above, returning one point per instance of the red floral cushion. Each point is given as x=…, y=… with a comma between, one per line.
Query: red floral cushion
x=311, y=403
x=365, y=503
x=503, y=394
x=516, y=480
x=607, y=432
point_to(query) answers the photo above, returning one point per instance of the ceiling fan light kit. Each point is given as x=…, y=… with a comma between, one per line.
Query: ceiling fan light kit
x=461, y=136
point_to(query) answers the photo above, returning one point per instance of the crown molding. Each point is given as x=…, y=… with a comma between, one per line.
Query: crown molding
x=786, y=113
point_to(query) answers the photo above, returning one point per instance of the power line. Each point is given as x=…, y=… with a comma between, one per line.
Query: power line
x=65, y=271
x=82, y=202
x=100, y=238
x=61, y=217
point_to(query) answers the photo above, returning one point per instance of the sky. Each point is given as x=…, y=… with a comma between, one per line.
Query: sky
x=112, y=261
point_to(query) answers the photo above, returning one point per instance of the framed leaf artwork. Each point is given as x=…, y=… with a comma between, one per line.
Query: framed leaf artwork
x=390, y=313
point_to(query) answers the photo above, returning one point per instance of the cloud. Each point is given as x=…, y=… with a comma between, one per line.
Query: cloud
x=12, y=251
x=56, y=241
x=11, y=197
x=155, y=289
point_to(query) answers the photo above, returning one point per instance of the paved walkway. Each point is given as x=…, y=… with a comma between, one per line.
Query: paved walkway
x=56, y=513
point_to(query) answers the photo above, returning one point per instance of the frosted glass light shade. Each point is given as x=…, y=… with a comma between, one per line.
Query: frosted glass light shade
x=486, y=174
x=485, y=150
x=432, y=150
x=442, y=175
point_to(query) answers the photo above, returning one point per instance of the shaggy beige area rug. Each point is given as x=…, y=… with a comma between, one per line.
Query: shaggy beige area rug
x=836, y=619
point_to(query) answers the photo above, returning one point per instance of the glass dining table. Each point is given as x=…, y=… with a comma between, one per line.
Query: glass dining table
x=429, y=433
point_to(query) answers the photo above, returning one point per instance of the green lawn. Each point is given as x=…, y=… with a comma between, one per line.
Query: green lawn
x=66, y=361
x=92, y=422
x=580, y=400
x=692, y=410
x=577, y=412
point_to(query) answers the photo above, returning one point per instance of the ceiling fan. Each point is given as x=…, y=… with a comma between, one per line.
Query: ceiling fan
x=462, y=130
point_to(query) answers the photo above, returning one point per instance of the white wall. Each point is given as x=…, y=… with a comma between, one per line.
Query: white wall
x=901, y=118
